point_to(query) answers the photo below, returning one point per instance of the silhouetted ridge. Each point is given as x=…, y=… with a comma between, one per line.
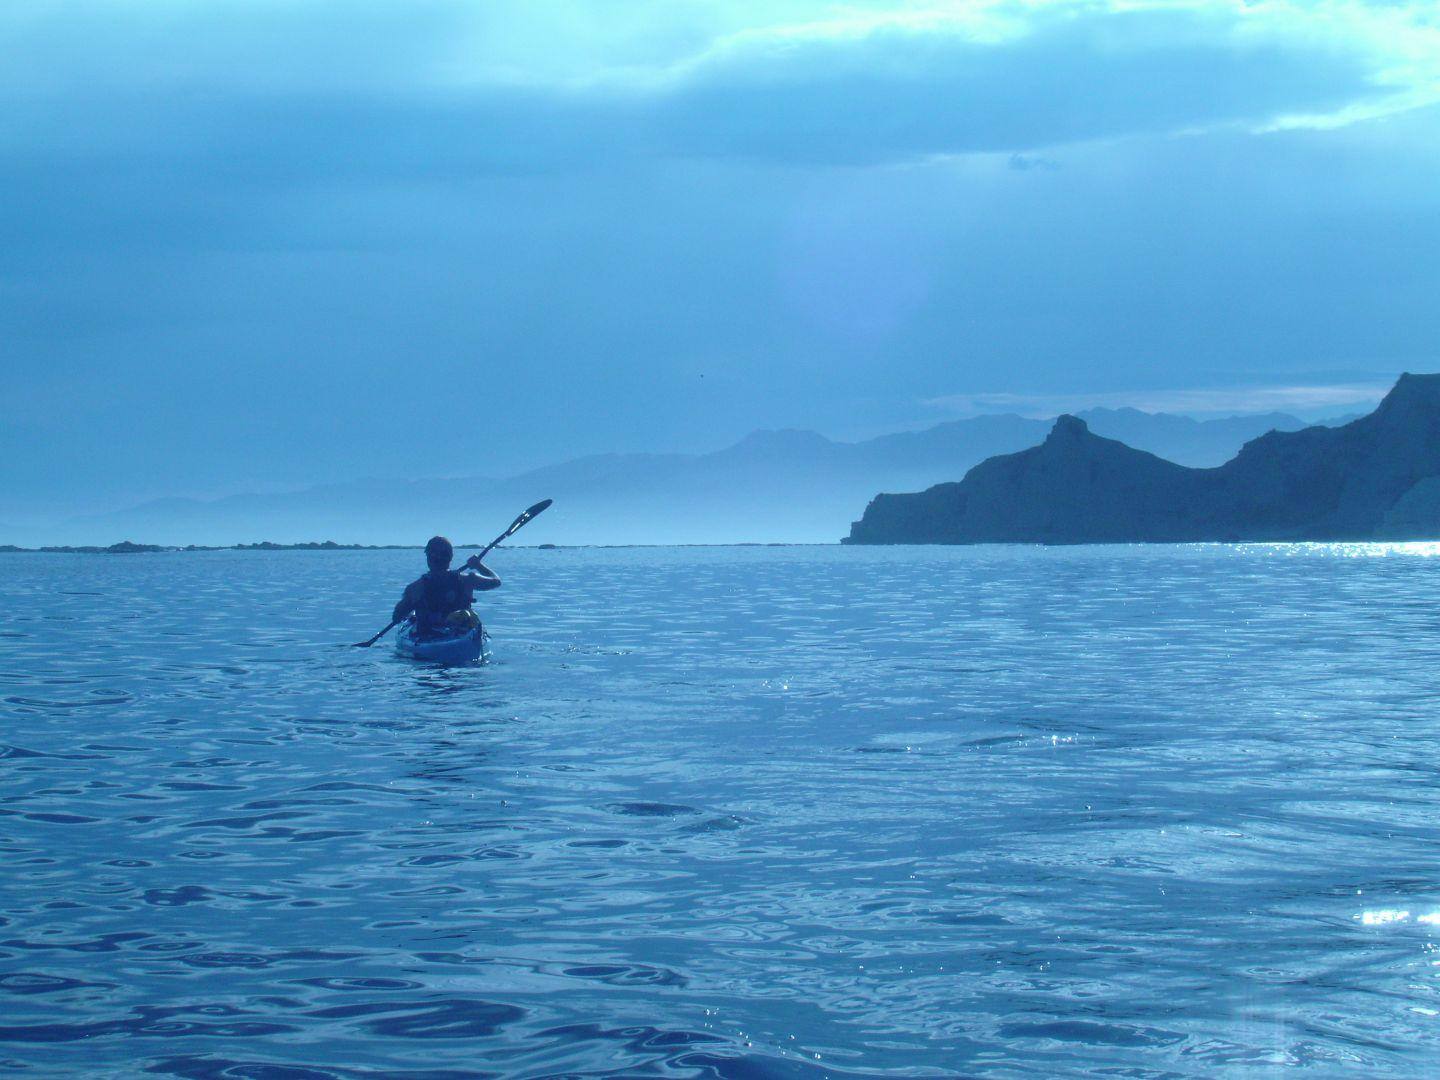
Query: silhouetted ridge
x=774, y=485
x=1375, y=477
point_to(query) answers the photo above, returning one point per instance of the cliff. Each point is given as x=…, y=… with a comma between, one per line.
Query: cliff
x=1376, y=477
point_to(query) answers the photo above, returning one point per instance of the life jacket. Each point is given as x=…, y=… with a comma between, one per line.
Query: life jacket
x=440, y=594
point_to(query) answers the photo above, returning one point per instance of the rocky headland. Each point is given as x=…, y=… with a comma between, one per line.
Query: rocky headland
x=1377, y=477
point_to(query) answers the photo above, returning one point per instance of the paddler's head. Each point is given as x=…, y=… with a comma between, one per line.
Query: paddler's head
x=439, y=552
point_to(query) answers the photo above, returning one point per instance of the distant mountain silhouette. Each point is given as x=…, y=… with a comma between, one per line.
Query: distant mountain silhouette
x=772, y=486
x=1377, y=477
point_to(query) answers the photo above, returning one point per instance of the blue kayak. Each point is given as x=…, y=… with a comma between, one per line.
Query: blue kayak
x=463, y=648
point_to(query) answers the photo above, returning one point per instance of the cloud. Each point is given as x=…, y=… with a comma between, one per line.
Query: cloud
x=273, y=90
x=1196, y=402
x=1012, y=77
x=1026, y=162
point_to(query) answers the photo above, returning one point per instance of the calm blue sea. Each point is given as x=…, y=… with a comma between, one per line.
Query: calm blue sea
x=734, y=812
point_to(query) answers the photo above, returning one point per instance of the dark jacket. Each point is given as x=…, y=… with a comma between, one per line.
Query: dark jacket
x=440, y=594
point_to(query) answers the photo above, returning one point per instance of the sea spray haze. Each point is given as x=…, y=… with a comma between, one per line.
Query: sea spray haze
x=984, y=811
x=771, y=486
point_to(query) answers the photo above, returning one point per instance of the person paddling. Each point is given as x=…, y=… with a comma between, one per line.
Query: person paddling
x=440, y=600
x=443, y=586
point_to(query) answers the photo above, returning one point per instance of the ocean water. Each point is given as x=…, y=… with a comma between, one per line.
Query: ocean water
x=733, y=812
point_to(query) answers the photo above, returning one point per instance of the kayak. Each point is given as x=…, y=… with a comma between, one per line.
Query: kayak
x=463, y=648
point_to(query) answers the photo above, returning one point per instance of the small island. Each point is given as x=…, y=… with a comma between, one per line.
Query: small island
x=1376, y=478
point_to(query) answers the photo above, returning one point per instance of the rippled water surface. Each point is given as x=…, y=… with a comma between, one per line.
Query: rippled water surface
x=725, y=812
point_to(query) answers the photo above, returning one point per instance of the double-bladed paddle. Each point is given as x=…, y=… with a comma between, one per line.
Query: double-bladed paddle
x=515, y=527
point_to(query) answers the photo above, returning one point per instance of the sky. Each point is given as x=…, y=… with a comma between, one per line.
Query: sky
x=249, y=245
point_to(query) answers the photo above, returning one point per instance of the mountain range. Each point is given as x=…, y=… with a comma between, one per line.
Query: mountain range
x=772, y=486
x=1377, y=477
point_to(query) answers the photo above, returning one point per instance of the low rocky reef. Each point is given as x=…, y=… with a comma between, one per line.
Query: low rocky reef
x=1376, y=478
x=126, y=547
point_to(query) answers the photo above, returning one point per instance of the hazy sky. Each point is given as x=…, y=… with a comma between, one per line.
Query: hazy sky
x=249, y=243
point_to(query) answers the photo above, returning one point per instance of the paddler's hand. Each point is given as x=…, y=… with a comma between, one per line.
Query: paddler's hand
x=488, y=579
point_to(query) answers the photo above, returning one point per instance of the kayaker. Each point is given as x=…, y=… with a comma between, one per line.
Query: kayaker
x=443, y=596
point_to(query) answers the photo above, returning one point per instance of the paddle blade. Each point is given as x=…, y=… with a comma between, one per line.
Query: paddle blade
x=377, y=637
x=538, y=508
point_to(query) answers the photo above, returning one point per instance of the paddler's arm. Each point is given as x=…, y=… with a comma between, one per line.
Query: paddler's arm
x=483, y=579
x=408, y=601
